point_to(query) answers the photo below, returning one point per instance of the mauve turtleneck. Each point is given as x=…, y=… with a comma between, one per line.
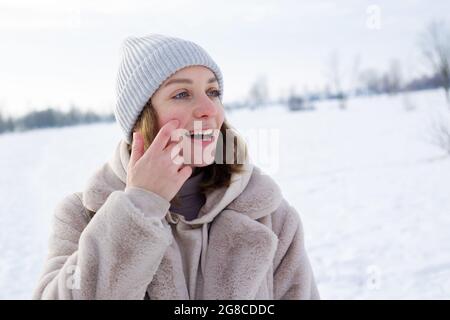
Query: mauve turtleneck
x=191, y=199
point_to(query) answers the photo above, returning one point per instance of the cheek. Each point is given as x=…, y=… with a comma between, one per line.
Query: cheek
x=164, y=117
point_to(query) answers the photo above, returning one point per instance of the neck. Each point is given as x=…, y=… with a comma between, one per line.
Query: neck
x=196, y=171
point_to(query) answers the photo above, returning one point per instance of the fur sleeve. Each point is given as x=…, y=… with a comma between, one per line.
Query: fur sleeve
x=112, y=256
x=293, y=275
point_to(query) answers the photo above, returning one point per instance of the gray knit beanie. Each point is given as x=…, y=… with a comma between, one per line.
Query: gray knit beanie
x=145, y=64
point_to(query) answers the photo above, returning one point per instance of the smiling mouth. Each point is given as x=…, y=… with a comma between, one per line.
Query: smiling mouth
x=205, y=135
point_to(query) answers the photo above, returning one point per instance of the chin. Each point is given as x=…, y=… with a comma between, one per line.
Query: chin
x=203, y=164
x=206, y=160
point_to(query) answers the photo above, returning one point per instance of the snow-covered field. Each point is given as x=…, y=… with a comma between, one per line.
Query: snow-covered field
x=372, y=192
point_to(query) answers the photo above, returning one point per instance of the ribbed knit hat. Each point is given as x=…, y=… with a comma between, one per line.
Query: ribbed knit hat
x=145, y=64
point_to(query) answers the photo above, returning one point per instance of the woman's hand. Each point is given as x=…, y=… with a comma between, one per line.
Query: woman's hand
x=155, y=169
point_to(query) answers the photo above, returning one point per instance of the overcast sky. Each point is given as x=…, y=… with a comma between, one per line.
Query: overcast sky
x=62, y=52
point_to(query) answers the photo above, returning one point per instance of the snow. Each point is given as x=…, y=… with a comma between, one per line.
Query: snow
x=370, y=187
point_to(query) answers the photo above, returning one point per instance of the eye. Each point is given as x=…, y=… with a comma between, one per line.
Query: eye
x=217, y=93
x=177, y=96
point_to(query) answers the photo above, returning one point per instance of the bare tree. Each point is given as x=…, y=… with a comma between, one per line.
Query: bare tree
x=335, y=77
x=440, y=132
x=6, y=123
x=259, y=93
x=370, y=81
x=394, y=77
x=354, y=75
x=2, y=122
x=389, y=81
x=342, y=82
x=435, y=45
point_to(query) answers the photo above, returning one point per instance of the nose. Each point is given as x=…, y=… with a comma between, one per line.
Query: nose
x=205, y=108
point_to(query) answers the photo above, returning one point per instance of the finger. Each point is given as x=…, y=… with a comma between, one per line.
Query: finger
x=178, y=135
x=137, y=149
x=175, y=153
x=164, y=134
x=185, y=173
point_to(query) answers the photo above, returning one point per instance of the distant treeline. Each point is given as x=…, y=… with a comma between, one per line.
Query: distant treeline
x=375, y=85
x=50, y=118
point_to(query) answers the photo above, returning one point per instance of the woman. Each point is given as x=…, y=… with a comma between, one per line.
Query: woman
x=166, y=217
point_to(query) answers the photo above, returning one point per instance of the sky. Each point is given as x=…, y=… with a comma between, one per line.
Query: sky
x=59, y=54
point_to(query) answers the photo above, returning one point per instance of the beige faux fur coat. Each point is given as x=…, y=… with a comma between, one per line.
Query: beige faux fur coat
x=246, y=243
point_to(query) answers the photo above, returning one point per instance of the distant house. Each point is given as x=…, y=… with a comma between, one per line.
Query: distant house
x=296, y=103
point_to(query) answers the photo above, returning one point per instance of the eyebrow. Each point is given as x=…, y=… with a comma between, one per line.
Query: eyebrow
x=186, y=81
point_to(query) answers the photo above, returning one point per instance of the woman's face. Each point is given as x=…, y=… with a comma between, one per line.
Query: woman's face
x=191, y=96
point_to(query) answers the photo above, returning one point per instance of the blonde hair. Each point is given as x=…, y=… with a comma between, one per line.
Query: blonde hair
x=216, y=175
